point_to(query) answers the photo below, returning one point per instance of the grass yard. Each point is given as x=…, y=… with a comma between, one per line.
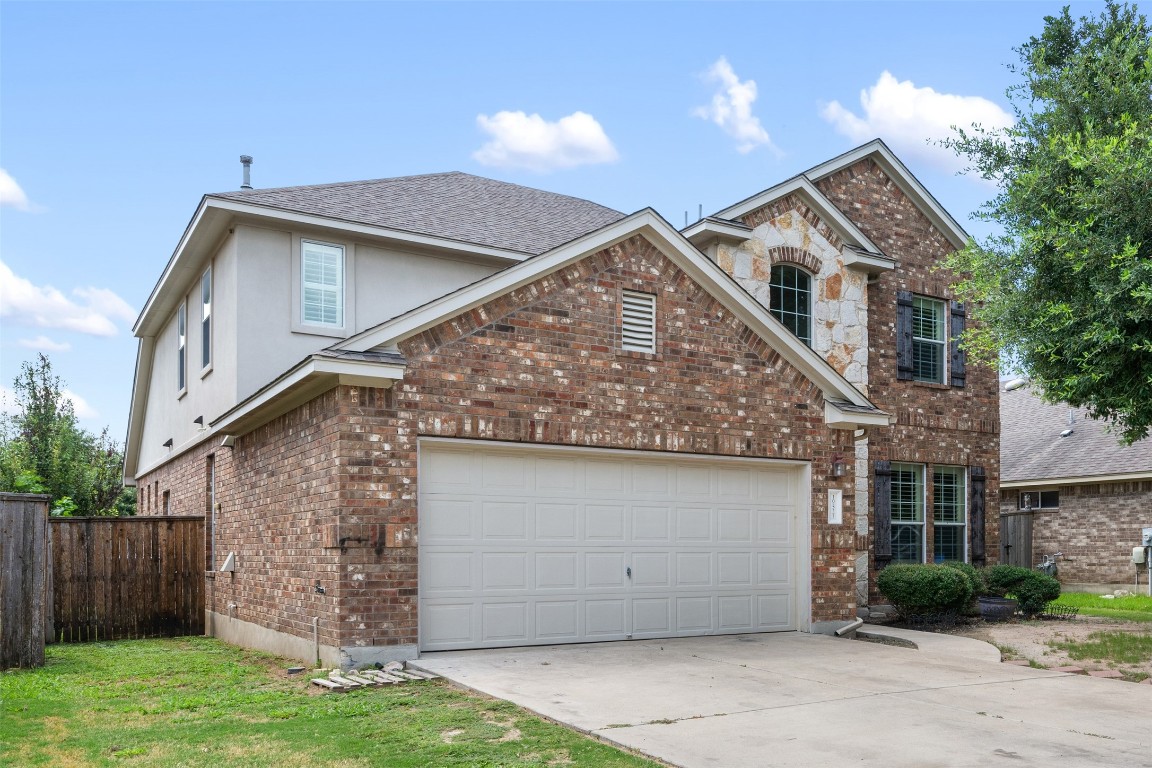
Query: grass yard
x=1118, y=647
x=1129, y=608
x=199, y=702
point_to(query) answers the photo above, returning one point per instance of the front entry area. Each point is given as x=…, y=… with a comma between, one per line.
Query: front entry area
x=540, y=545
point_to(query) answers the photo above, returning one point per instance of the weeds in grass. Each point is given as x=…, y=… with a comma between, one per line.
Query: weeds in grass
x=1117, y=647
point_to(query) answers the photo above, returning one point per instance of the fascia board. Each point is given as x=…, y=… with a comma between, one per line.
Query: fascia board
x=705, y=230
x=313, y=370
x=435, y=312
x=908, y=183
x=458, y=247
x=1046, y=482
x=665, y=237
x=803, y=187
x=177, y=259
x=141, y=383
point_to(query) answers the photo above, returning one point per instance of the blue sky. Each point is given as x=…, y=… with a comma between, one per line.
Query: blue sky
x=116, y=117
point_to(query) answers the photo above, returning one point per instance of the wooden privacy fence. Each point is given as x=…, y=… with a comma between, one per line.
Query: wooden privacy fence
x=25, y=592
x=119, y=578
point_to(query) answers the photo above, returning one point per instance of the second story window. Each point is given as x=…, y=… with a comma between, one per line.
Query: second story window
x=181, y=347
x=790, y=300
x=206, y=318
x=928, y=340
x=322, y=284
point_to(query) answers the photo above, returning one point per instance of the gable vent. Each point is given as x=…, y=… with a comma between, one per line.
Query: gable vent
x=638, y=333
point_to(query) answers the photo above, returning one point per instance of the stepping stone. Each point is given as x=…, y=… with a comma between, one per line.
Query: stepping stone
x=1108, y=673
x=1070, y=670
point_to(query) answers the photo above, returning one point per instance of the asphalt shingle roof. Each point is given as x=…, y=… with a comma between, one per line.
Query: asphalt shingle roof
x=456, y=206
x=1031, y=447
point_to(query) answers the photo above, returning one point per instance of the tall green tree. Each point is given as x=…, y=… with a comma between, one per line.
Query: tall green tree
x=44, y=450
x=1065, y=291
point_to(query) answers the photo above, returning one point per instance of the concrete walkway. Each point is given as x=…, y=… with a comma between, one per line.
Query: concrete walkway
x=792, y=699
x=936, y=644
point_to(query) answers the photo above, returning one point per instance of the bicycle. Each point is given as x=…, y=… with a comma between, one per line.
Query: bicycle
x=1048, y=564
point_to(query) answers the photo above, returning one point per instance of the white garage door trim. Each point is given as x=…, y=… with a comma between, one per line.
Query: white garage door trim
x=528, y=544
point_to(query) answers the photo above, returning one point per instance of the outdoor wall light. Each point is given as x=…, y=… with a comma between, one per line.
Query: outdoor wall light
x=839, y=468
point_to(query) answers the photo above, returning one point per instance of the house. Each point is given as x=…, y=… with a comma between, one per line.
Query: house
x=441, y=411
x=1070, y=486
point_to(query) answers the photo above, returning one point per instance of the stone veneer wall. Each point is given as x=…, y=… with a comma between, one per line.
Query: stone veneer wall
x=1096, y=527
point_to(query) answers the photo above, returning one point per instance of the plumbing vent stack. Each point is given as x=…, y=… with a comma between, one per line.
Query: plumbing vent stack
x=246, y=161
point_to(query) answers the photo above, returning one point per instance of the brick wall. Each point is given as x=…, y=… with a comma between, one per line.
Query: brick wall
x=1095, y=527
x=936, y=424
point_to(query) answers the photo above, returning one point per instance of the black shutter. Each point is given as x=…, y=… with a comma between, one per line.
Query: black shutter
x=959, y=317
x=882, y=514
x=904, y=335
x=976, y=480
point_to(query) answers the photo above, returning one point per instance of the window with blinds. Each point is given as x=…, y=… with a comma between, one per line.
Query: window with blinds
x=638, y=322
x=322, y=284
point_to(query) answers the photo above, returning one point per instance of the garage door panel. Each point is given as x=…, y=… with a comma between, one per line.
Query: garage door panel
x=526, y=546
x=557, y=522
x=557, y=570
x=504, y=520
x=505, y=622
x=604, y=570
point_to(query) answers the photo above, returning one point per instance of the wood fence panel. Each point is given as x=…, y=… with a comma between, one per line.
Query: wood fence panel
x=23, y=579
x=128, y=577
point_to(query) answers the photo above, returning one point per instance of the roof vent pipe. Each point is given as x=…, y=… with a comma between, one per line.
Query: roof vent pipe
x=246, y=161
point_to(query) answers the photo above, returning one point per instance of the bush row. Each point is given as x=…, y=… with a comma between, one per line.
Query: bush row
x=952, y=587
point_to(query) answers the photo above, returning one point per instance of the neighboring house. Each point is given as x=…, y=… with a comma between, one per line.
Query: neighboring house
x=1070, y=486
x=443, y=412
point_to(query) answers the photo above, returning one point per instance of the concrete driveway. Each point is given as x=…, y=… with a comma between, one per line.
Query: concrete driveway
x=792, y=699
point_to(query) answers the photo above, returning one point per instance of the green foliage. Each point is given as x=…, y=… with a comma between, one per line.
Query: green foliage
x=1117, y=647
x=972, y=573
x=1129, y=607
x=198, y=702
x=1032, y=588
x=925, y=588
x=1066, y=291
x=44, y=450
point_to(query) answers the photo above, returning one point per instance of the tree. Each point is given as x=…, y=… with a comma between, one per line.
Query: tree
x=1065, y=291
x=43, y=450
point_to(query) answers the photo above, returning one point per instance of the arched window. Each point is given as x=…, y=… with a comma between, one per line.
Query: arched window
x=790, y=300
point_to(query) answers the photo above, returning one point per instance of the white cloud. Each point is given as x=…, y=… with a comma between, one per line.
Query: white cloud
x=529, y=141
x=11, y=194
x=45, y=307
x=45, y=344
x=80, y=406
x=908, y=117
x=731, y=108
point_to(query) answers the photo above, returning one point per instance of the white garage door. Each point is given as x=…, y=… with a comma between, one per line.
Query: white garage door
x=526, y=546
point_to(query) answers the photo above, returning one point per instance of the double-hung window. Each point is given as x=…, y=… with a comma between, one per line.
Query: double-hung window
x=321, y=284
x=908, y=513
x=949, y=514
x=206, y=318
x=181, y=347
x=928, y=340
x=790, y=300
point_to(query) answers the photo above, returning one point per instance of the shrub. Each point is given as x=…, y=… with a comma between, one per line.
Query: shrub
x=972, y=573
x=924, y=588
x=1033, y=589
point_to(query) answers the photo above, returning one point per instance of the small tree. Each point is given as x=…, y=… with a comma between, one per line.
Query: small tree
x=44, y=450
x=1066, y=291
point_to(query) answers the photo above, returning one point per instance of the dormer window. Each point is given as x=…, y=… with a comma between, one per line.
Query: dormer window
x=790, y=300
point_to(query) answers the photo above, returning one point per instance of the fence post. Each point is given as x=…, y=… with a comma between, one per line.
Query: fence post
x=23, y=579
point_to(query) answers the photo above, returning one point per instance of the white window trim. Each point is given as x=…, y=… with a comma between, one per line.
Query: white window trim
x=963, y=471
x=945, y=319
x=182, y=349
x=207, y=315
x=812, y=282
x=347, y=327
x=922, y=524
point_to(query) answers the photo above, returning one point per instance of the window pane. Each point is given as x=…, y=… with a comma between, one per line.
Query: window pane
x=907, y=493
x=928, y=340
x=948, y=495
x=907, y=543
x=948, y=543
x=322, y=284
x=927, y=361
x=789, y=298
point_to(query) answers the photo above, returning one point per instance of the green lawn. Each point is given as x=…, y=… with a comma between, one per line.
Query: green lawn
x=199, y=702
x=1131, y=608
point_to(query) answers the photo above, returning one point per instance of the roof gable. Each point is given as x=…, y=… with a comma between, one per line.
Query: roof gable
x=647, y=223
